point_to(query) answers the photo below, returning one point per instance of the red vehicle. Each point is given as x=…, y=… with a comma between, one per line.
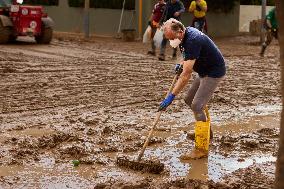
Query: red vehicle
x=24, y=20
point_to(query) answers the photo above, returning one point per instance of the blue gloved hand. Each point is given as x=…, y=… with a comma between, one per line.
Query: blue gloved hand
x=166, y=102
x=178, y=69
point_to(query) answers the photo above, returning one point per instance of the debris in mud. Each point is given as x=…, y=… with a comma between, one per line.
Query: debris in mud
x=107, y=130
x=96, y=159
x=102, y=186
x=9, y=70
x=91, y=131
x=46, y=141
x=22, y=153
x=249, y=143
x=91, y=122
x=153, y=140
x=155, y=167
x=141, y=184
x=111, y=148
x=130, y=148
x=74, y=150
x=269, y=132
x=28, y=148
x=264, y=140
x=132, y=137
x=253, y=177
x=132, y=185
x=8, y=181
x=167, y=184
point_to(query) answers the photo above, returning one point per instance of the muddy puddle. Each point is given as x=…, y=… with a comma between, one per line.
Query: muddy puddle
x=33, y=132
x=47, y=173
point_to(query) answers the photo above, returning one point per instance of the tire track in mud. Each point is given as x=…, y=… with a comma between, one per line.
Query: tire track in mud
x=59, y=81
x=31, y=86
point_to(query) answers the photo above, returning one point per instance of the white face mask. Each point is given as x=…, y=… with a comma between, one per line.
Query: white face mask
x=175, y=43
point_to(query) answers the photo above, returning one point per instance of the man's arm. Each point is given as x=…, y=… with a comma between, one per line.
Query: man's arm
x=164, y=15
x=184, y=76
x=203, y=6
x=192, y=6
x=181, y=83
x=268, y=18
x=182, y=9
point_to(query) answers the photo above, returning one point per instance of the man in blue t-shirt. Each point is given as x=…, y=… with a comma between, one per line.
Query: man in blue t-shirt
x=201, y=55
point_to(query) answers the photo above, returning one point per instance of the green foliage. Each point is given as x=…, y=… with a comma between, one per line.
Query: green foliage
x=42, y=2
x=216, y=5
x=107, y=4
x=257, y=2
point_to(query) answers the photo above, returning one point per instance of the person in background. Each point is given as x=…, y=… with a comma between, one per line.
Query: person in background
x=174, y=9
x=199, y=9
x=154, y=21
x=271, y=28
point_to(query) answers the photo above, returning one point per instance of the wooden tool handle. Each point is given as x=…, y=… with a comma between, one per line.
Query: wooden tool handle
x=155, y=122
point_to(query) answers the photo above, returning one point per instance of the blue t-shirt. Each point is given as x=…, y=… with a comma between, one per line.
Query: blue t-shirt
x=209, y=60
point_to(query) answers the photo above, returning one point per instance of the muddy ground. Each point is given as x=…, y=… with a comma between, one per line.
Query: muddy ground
x=94, y=101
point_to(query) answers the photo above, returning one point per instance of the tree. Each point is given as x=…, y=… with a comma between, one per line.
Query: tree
x=279, y=175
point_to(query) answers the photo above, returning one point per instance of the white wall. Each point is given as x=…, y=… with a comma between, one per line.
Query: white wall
x=249, y=13
x=102, y=21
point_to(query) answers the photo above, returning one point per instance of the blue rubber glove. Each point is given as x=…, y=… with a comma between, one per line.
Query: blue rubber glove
x=166, y=102
x=178, y=69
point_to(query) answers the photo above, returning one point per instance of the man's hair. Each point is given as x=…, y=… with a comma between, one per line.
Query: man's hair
x=174, y=24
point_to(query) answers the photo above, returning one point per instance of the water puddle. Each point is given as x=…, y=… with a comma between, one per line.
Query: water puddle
x=46, y=173
x=33, y=132
x=215, y=166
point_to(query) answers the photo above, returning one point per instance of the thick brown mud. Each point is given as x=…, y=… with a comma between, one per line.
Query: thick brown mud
x=96, y=101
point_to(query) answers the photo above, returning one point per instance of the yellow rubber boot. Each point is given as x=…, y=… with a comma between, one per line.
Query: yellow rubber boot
x=202, y=139
x=202, y=135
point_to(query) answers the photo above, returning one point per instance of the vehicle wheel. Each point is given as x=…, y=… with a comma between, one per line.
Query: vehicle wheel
x=5, y=33
x=13, y=36
x=45, y=36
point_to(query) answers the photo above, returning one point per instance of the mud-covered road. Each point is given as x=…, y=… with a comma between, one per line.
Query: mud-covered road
x=92, y=101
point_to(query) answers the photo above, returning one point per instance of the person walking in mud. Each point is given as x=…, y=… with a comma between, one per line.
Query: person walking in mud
x=271, y=28
x=199, y=9
x=201, y=55
x=174, y=9
x=154, y=20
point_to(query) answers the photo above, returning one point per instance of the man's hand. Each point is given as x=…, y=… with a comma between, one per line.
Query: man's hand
x=166, y=102
x=178, y=69
x=176, y=14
